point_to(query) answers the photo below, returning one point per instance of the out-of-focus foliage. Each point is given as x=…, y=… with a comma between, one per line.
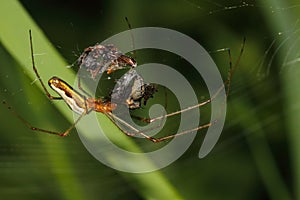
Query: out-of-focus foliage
x=257, y=154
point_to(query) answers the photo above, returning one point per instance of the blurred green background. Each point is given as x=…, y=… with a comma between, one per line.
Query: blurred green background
x=257, y=156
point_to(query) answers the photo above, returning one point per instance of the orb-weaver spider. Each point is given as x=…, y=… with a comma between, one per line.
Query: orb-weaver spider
x=83, y=105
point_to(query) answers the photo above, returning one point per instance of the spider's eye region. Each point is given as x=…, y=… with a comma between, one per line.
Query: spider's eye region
x=57, y=84
x=54, y=81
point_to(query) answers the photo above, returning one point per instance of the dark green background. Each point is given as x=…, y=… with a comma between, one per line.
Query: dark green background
x=257, y=156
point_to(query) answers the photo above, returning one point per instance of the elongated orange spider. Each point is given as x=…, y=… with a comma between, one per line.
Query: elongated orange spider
x=83, y=105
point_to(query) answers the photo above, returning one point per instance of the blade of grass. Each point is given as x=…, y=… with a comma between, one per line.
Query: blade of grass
x=284, y=20
x=260, y=149
x=14, y=36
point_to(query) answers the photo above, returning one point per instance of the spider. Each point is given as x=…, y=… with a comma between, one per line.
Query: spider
x=104, y=58
x=132, y=88
x=83, y=105
x=99, y=58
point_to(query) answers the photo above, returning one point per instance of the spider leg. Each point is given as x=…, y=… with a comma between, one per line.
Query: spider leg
x=62, y=134
x=156, y=140
x=80, y=88
x=114, y=118
x=37, y=74
x=227, y=84
x=233, y=68
x=149, y=120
